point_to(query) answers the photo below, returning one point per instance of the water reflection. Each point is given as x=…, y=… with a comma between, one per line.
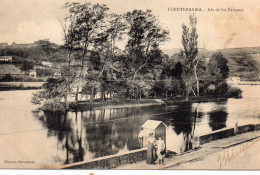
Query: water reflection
x=96, y=133
x=68, y=134
x=73, y=137
x=217, y=119
x=184, y=121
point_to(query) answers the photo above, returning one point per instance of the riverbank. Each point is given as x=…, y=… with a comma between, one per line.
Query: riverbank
x=226, y=153
x=9, y=86
x=83, y=106
x=135, y=159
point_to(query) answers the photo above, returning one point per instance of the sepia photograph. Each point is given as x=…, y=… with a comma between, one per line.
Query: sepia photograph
x=130, y=85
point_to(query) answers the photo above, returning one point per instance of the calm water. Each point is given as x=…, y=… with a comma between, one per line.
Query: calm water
x=50, y=139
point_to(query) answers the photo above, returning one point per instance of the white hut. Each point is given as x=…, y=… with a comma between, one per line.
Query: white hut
x=158, y=128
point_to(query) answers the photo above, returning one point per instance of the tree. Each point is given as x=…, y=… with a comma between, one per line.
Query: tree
x=143, y=54
x=190, y=52
x=107, y=55
x=218, y=66
x=170, y=80
x=218, y=71
x=26, y=67
x=88, y=27
x=53, y=96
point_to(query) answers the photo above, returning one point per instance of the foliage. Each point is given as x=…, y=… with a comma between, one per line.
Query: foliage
x=217, y=73
x=189, y=56
x=7, y=78
x=26, y=67
x=119, y=56
x=53, y=96
x=44, y=72
x=217, y=66
x=234, y=92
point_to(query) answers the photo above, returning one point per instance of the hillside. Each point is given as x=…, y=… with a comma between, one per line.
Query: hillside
x=242, y=62
x=10, y=69
x=36, y=52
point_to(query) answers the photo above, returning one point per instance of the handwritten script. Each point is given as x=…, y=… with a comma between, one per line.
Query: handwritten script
x=229, y=155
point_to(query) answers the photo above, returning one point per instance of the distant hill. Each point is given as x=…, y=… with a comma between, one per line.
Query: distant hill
x=36, y=52
x=29, y=45
x=170, y=52
x=242, y=62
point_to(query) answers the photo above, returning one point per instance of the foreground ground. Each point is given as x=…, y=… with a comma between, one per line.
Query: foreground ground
x=237, y=152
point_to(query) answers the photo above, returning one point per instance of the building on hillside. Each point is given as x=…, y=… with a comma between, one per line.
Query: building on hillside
x=6, y=58
x=57, y=74
x=33, y=73
x=3, y=45
x=46, y=63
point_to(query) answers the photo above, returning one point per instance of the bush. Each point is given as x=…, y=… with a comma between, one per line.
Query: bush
x=53, y=105
x=234, y=92
x=7, y=78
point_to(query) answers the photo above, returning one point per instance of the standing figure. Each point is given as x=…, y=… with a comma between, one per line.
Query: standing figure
x=160, y=150
x=236, y=129
x=151, y=154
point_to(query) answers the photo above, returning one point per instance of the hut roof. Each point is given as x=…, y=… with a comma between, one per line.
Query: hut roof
x=152, y=124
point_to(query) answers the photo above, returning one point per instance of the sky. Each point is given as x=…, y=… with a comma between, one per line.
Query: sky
x=26, y=21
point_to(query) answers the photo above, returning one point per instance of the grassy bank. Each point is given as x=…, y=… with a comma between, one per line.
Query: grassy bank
x=82, y=106
x=199, y=99
x=7, y=86
x=114, y=104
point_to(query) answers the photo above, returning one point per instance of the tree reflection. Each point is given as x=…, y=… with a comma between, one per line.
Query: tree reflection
x=97, y=133
x=110, y=137
x=217, y=119
x=69, y=135
x=184, y=122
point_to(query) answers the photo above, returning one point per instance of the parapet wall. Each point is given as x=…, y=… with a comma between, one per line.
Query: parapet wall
x=134, y=156
x=224, y=133
x=109, y=162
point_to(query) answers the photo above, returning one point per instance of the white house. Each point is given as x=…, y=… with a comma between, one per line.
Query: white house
x=6, y=58
x=47, y=63
x=33, y=73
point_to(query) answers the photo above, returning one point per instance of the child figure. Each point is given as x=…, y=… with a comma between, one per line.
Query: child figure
x=160, y=150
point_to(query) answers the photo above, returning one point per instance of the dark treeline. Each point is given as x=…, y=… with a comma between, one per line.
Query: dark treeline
x=119, y=56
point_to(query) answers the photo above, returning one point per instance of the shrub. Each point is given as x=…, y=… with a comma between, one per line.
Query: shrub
x=7, y=78
x=234, y=92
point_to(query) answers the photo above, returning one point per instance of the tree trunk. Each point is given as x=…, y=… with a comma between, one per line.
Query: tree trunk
x=66, y=101
x=92, y=94
x=193, y=92
x=77, y=94
x=187, y=91
x=140, y=94
x=197, y=81
x=134, y=94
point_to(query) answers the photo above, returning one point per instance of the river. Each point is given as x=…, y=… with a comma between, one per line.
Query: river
x=47, y=140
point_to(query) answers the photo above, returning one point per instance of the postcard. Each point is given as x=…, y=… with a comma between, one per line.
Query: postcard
x=132, y=84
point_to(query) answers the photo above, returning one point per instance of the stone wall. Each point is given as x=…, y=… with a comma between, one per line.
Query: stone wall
x=224, y=133
x=109, y=162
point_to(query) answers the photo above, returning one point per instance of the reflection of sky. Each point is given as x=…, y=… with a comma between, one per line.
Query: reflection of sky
x=27, y=139
x=245, y=110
